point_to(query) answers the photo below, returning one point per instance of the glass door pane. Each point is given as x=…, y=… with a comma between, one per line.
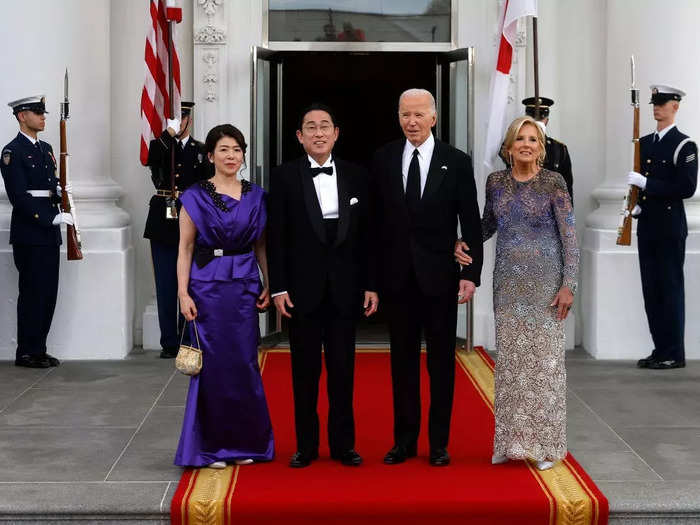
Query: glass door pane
x=265, y=126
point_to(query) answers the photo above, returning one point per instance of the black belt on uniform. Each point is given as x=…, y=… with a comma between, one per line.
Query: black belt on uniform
x=203, y=255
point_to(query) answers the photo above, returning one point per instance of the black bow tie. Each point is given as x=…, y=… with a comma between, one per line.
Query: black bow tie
x=328, y=170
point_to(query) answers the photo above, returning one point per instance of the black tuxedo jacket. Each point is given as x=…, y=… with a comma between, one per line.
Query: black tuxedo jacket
x=426, y=240
x=300, y=258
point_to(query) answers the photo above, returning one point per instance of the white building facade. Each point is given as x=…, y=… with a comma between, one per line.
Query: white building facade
x=106, y=301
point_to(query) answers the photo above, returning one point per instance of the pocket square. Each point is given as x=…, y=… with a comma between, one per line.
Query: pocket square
x=443, y=167
x=353, y=201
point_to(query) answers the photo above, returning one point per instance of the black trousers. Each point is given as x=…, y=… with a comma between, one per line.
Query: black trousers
x=661, y=264
x=308, y=333
x=38, y=290
x=411, y=312
x=165, y=272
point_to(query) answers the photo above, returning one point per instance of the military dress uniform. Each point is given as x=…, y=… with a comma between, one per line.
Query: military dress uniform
x=671, y=167
x=29, y=171
x=191, y=165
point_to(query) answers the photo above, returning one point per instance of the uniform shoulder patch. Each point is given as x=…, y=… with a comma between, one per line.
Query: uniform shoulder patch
x=6, y=157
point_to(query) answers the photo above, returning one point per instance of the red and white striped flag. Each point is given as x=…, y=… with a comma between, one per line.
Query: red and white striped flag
x=155, y=96
x=512, y=11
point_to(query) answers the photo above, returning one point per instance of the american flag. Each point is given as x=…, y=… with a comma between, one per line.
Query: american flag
x=155, y=97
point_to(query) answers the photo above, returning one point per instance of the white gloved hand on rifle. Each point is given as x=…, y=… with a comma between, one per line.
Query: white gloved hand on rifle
x=69, y=189
x=636, y=211
x=63, y=218
x=636, y=179
x=173, y=127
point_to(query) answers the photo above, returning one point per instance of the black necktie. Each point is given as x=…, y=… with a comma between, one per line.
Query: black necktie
x=656, y=138
x=182, y=144
x=413, y=182
x=328, y=170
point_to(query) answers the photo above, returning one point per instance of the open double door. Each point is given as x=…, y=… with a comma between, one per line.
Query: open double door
x=363, y=89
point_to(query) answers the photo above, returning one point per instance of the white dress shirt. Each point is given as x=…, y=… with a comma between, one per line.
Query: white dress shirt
x=31, y=139
x=425, y=153
x=326, y=189
x=664, y=131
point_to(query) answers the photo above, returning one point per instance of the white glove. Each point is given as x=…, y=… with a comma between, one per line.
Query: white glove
x=173, y=126
x=636, y=210
x=636, y=179
x=69, y=189
x=63, y=218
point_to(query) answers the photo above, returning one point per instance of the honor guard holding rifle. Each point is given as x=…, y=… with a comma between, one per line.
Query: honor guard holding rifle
x=162, y=227
x=669, y=170
x=557, y=154
x=29, y=171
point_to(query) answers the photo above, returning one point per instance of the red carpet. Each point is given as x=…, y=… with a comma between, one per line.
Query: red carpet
x=470, y=490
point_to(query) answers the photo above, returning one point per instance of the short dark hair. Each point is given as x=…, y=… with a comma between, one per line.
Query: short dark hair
x=317, y=106
x=224, y=130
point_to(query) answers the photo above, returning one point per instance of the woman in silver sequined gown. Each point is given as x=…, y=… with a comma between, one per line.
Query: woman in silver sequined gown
x=533, y=284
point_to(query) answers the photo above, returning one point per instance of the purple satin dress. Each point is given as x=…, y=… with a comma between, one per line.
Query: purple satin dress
x=226, y=417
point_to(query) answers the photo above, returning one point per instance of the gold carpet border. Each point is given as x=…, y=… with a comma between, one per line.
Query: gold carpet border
x=573, y=502
x=210, y=495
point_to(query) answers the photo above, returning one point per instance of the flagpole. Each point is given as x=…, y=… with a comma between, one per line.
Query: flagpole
x=537, y=67
x=170, y=202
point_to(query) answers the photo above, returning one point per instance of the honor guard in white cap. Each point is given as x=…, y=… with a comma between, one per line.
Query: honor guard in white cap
x=28, y=168
x=556, y=153
x=162, y=228
x=669, y=174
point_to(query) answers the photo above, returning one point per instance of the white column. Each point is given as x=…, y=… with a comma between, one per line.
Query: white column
x=616, y=325
x=95, y=306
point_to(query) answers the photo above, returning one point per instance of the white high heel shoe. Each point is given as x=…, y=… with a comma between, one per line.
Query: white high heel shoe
x=544, y=465
x=243, y=461
x=217, y=464
x=497, y=459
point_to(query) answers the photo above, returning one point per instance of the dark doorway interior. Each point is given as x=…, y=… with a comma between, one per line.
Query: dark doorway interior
x=363, y=89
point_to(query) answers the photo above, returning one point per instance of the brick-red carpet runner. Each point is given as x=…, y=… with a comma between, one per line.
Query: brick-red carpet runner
x=470, y=490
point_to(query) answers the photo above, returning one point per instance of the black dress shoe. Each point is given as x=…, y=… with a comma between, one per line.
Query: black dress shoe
x=350, y=458
x=168, y=353
x=439, y=457
x=399, y=454
x=52, y=360
x=666, y=365
x=32, y=361
x=644, y=363
x=300, y=460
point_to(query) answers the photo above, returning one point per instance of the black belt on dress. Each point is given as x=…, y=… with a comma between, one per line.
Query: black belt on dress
x=203, y=255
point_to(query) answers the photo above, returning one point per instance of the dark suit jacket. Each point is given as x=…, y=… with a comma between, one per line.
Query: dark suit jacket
x=301, y=261
x=427, y=242
x=191, y=165
x=668, y=183
x=27, y=167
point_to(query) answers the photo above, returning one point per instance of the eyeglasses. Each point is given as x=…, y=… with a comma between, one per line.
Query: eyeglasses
x=325, y=129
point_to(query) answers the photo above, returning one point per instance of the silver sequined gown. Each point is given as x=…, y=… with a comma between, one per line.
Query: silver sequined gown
x=536, y=252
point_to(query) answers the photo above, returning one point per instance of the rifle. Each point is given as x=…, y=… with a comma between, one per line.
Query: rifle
x=74, y=245
x=624, y=231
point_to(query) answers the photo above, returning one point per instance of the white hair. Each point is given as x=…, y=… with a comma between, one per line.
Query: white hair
x=418, y=92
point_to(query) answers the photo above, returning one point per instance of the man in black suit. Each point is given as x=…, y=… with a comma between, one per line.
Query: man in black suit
x=162, y=227
x=320, y=278
x=669, y=161
x=420, y=187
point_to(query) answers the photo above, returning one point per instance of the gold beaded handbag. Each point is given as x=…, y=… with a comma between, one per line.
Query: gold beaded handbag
x=189, y=358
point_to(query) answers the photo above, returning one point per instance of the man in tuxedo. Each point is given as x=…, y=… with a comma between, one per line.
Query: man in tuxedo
x=320, y=278
x=420, y=188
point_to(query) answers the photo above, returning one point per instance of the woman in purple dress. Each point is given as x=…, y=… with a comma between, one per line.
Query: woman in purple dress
x=222, y=244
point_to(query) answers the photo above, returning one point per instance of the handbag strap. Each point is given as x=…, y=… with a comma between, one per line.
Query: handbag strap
x=196, y=334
